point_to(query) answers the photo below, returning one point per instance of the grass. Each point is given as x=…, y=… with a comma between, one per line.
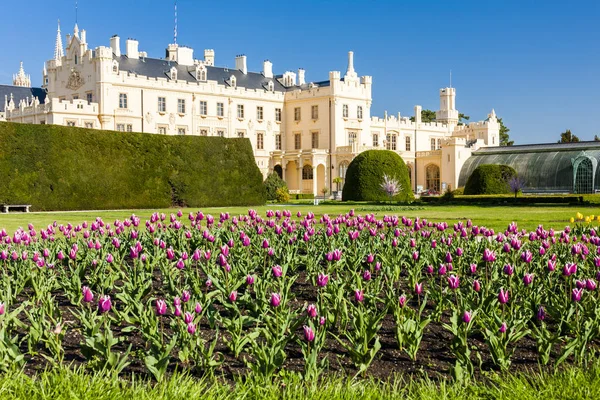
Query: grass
x=496, y=217
x=63, y=383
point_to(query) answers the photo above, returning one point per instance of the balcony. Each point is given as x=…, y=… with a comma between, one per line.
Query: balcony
x=431, y=153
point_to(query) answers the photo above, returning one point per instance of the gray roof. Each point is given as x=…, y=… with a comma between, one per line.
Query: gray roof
x=20, y=93
x=542, y=147
x=160, y=68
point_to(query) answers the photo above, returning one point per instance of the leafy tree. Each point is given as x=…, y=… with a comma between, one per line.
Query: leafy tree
x=504, y=138
x=426, y=116
x=462, y=117
x=272, y=183
x=568, y=137
x=596, y=138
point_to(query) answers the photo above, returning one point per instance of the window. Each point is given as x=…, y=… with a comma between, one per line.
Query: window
x=89, y=97
x=408, y=143
x=181, y=131
x=203, y=108
x=162, y=104
x=278, y=141
x=297, y=114
x=391, y=142
x=314, y=112
x=297, y=141
x=345, y=111
x=220, y=109
x=174, y=74
x=351, y=138
x=307, y=172
x=162, y=130
x=201, y=73
x=278, y=114
x=375, y=140
x=240, y=111
x=121, y=127
x=359, y=113
x=493, y=139
x=271, y=86
x=115, y=68
x=122, y=100
x=432, y=177
x=432, y=144
x=439, y=144
x=259, y=113
x=76, y=59
x=232, y=81
x=71, y=123
x=181, y=106
x=220, y=133
x=42, y=122
x=203, y=132
x=129, y=128
x=240, y=134
x=315, y=140
x=260, y=141
x=75, y=97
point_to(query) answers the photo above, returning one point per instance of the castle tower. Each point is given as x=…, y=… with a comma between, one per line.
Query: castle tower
x=21, y=79
x=447, y=113
x=58, y=47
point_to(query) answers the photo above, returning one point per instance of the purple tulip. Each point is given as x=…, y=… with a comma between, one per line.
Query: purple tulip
x=191, y=328
x=459, y=251
x=415, y=255
x=569, y=269
x=2, y=308
x=418, y=288
x=161, y=307
x=590, y=285
x=322, y=321
x=402, y=301
x=110, y=258
x=249, y=280
x=275, y=299
x=311, y=310
x=180, y=264
x=551, y=265
x=442, y=270
x=233, y=296
x=185, y=296
x=177, y=301
x=429, y=269
x=448, y=257
x=277, y=271
x=528, y=279
x=467, y=315
x=367, y=275
x=473, y=268
x=309, y=333
x=359, y=295
x=526, y=256
x=476, y=286
x=508, y=269
x=453, y=282
x=576, y=294
x=503, y=296
x=104, y=304
x=503, y=327
x=541, y=313
x=489, y=255
x=322, y=280
x=188, y=317
x=88, y=296
x=198, y=308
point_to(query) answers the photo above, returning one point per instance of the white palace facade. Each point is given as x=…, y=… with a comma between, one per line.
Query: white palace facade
x=308, y=132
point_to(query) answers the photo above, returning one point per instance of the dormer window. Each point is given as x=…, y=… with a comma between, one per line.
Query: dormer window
x=115, y=67
x=173, y=74
x=271, y=86
x=201, y=73
x=232, y=81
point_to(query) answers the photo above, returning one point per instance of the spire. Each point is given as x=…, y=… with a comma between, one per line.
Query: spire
x=21, y=79
x=350, y=73
x=175, y=28
x=58, y=47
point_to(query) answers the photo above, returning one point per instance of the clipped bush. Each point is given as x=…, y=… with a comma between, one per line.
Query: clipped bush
x=272, y=183
x=282, y=195
x=490, y=179
x=365, y=176
x=56, y=167
x=459, y=191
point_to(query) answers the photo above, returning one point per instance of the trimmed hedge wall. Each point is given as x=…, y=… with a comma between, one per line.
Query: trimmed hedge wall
x=365, y=176
x=506, y=200
x=489, y=179
x=55, y=167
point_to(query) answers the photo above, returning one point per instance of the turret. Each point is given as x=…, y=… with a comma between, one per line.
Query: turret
x=447, y=113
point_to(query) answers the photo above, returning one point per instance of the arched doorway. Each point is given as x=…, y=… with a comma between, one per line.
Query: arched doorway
x=432, y=177
x=584, y=177
x=342, y=169
x=279, y=170
x=307, y=179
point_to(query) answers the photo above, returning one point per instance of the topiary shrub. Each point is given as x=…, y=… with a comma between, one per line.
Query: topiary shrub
x=272, y=183
x=490, y=179
x=365, y=176
x=282, y=195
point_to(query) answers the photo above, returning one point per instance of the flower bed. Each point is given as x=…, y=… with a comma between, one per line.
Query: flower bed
x=259, y=294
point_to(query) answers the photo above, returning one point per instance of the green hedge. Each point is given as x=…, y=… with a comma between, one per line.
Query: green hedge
x=55, y=167
x=272, y=183
x=304, y=196
x=365, y=175
x=501, y=199
x=490, y=179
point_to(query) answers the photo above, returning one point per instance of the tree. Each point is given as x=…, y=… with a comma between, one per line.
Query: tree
x=337, y=180
x=596, y=138
x=462, y=117
x=568, y=137
x=426, y=116
x=504, y=138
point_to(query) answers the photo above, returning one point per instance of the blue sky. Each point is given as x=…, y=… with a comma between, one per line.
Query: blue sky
x=537, y=63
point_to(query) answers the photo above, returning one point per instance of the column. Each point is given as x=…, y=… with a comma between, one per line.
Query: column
x=315, y=188
x=299, y=176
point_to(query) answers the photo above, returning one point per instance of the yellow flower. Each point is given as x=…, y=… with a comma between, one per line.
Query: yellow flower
x=579, y=216
x=572, y=220
x=587, y=219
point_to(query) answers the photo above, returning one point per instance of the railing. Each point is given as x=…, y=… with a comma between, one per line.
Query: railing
x=431, y=153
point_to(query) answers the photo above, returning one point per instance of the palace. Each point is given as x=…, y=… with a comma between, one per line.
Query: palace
x=308, y=132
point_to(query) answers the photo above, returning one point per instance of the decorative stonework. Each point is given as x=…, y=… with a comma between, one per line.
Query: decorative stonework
x=75, y=80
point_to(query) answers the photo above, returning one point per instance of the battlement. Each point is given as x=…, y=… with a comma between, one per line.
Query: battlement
x=26, y=108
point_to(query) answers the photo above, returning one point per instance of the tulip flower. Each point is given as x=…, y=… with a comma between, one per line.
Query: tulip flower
x=188, y=317
x=576, y=294
x=2, y=308
x=104, y=304
x=418, y=288
x=473, y=269
x=176, y=301
x=467, y=315
x=322, y=321
x=402, y=301
x=109, y=258
x=191, y=328
x=541, y=313
x=503, y=296
x=322, y=280
x=88, y=296
x=569, y=269
x=367, y=275
x=503, y=327
x=233, y=296
x=359, y=295
x=198, y=308
x=309, y=333
x=185, y=296
x=161, y=307
x=508, y=269
x=277, y=271
x=528, y=279
x=489, y=255
x=453, y=282
x=178, y=311
x=590, y=285
x=249, y=280
x=311, y=310
x=448, y=257
x=275, y=299
x=180, y=264
x=442, y=270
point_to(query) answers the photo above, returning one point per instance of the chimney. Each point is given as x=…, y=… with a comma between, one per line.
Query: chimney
x=240, y=64
x=115, y=45
x=301, y=80
x=418, y=114
x=209, y=57
x=132, y=49
x=83, y=36
x=268, y=69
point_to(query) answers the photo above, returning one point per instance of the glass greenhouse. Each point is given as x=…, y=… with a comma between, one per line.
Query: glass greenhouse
x=552, y=168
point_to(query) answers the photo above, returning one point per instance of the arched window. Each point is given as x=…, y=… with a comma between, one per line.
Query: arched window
x=201, y=73
x=115, y=67
x=173, y=74
x=432, y=177
x=232, y=81
x=307, y=172
x=271, y=86
x=343, y=168
x=277, y=169
x=584, y=177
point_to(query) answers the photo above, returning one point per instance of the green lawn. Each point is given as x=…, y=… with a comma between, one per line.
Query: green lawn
x=496, y=217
